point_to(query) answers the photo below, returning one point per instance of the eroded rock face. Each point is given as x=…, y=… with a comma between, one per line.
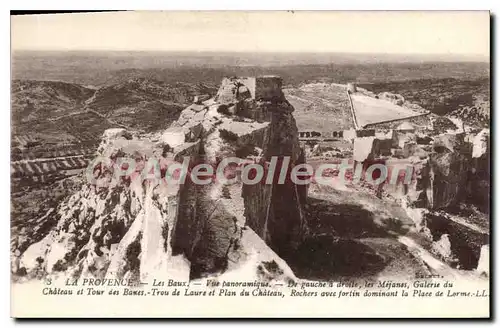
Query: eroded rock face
x=479, y=182
x=450, y=165
x=284, y=223
x=443, y=170
x=217, y=212
x=132, y=226
x=443, y=181
x=463, y=243
x=116, y=226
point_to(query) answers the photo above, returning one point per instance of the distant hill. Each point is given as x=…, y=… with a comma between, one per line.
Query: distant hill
x=46, y=99
x=468, y=100
x=143, y=103
x=476, y=114
x=60, y=112
x=105, y=69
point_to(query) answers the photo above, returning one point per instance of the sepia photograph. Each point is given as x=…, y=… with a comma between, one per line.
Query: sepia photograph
x=250, y=164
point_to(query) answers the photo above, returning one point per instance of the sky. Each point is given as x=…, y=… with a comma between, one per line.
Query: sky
x=457, y=33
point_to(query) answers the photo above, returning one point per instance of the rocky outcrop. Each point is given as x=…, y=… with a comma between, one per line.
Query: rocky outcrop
x=285, y=223
x=458, y=243
x=444, y=174
x=450, y=164
x=479, y=182
x=137, y=224
x=273, y=211
x=114, y=225
x=443, y=167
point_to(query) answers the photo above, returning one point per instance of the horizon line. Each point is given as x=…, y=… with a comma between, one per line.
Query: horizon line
x=480, y=58
x=254, y=51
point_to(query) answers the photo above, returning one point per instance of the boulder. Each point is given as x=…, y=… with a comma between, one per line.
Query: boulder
x=173, y=137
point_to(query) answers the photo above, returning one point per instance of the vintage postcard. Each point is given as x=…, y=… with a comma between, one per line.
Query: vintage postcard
x=286, y=164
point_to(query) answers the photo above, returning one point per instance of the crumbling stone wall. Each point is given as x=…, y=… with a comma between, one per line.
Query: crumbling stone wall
x=250, y=83
x=268, y=87
x=259, y=88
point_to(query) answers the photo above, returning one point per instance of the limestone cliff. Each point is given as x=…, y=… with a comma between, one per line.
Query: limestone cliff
x=126, y=225
x=446, y=195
